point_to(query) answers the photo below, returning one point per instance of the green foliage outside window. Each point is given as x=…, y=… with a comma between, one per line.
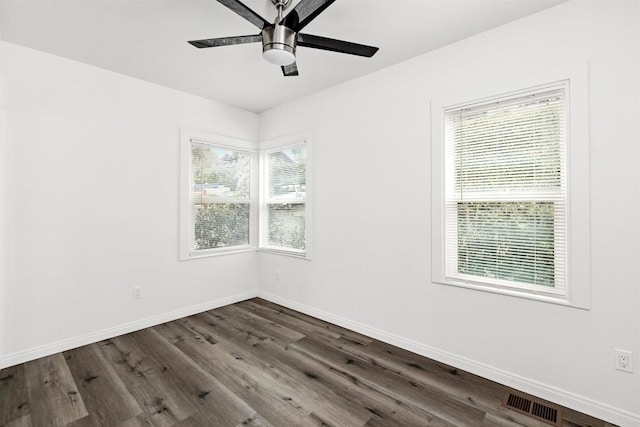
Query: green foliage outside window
x=219, y=225
x=287, y=225
x=507, y=240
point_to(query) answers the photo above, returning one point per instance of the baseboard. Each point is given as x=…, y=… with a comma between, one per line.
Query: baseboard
x=536, y=388
x=68, y=344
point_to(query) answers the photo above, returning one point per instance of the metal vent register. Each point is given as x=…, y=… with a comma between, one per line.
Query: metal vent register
x=535, y=408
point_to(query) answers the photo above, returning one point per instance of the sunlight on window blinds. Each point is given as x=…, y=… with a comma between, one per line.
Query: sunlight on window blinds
x=506, y=192
x=220, y=200
x=286, y=195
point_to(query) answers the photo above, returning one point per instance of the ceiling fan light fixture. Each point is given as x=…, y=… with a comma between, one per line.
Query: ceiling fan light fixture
x=279, y=55
x=279, y=44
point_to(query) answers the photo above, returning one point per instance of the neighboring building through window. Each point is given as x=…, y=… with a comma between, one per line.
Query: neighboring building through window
x=285, y=188
x=501, y=194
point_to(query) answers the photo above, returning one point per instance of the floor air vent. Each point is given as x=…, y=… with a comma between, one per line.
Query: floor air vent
x=533, y=407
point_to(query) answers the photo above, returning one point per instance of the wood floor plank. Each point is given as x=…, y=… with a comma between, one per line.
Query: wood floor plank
x=465, y=387
x=333, y=408
x=143, y=380
x=403, y=421
x=397, y=386
x=343, y=332
x=382, y=407
x=226, y=363
x=211, y=320
x=215, y=404
x=258, y=323
x=88, y=421
x=24, y=421
x=317, y=420
x=200, y=420
x=256, y=421
x=14, y=398
x=303, y=369
x=105, y=395
x=491, y=420
x=305, y=328
x=310, y=395
x=139, y=421
x=53, y=394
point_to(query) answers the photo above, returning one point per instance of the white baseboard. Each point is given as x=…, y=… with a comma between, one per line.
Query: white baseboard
x=69, y=343
x=536, y=388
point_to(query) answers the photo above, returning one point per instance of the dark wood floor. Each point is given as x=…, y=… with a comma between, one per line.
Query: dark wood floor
x=250, y=364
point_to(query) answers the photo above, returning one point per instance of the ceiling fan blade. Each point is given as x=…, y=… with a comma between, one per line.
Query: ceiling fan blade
x=317, y=42
x=226, y=41
x=241, y=9
x=304, y=12
x=290, y=70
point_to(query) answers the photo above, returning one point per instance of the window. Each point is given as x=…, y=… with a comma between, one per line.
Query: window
x=285, y=197
x=217, y=195
x=505, y=192
x=503, y=214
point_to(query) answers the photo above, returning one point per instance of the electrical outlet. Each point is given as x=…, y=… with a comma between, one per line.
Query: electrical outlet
x=276, y=275
x=624, y=360
x=137, y=292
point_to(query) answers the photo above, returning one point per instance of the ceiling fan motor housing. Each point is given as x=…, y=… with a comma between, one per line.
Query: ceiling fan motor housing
x=279, y=37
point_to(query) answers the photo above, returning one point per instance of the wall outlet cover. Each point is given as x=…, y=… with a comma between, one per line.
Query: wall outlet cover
x=624, y=360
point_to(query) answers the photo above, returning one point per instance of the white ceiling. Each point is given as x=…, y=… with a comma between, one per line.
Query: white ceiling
x=148, y=40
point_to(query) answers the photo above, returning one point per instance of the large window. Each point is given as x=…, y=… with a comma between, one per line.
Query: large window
x=506, y=193
x=217, y=199
x=285, y=189
x=503, y=220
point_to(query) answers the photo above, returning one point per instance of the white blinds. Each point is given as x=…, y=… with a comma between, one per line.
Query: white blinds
x=286, y=168
x=285, y=194
x=505, y=219
x=220, y=197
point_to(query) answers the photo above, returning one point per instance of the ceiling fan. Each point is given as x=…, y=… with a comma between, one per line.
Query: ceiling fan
x=280, y=39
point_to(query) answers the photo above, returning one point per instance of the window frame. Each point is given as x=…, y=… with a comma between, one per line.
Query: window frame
x=577, y=291
x=187, y=244
x=267, y=147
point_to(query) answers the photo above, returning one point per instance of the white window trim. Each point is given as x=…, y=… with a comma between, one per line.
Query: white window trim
x=274, y=144
x=577, y=164
x=186, y=241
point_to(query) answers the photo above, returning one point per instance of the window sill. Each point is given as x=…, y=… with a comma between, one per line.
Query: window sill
x=530, y=295
x=300, y=255
x=217, y=252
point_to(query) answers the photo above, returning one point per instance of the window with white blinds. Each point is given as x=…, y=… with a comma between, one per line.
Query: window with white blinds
x=505, y=207
x=217, y=209
x=221, y=197
x=284, y=199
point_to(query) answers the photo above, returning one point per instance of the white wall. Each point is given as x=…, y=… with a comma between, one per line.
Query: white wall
x=371, y=267
x=3, y=180
x=92, y=205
